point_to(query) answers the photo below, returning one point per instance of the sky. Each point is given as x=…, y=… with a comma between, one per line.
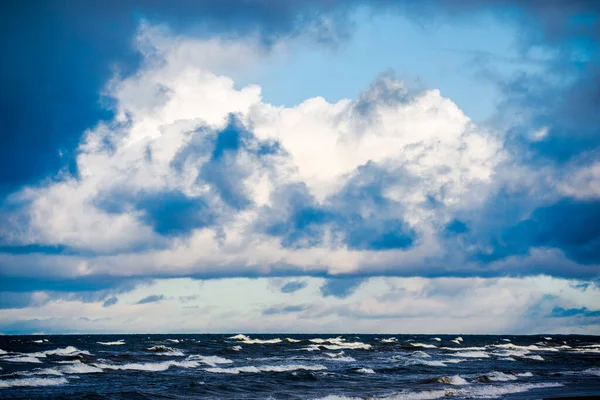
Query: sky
x=321, y=166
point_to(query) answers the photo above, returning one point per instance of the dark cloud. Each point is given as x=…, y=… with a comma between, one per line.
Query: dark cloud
x=340, y=287
x=110, y=302
x=281, y=309
x=154, y=298
x=359, y=215
x=293, y=286
x=559, y=312
x=571, y=226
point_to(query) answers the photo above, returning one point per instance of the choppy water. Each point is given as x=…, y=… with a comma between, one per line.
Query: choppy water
x=298, y=367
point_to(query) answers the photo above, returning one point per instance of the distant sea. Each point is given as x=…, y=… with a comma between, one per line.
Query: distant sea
x=298, y=367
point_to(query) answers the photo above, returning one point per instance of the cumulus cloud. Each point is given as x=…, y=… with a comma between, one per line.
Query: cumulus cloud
x=195, y=175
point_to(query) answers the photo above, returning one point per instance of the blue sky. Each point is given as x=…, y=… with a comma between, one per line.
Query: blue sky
x=317, y=166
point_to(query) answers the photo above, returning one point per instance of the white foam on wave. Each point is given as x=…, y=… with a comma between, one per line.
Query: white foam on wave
x=213, y=361
x=524, y=375
x=473, y=392
x=3, y=352
x=115, y=343
x=437, y=339
x=587, y=351
x=535, y=357
x=389, y=340
x=506, y=340
x=463, y=348
x=433, y=363
x=497, y=376
x=80, y=368
x=236, y=348
x=338, y=346
x=365, y=371
x=266, y=368
x=470, y=354
x=152, y=367
x=532, y=347
x=68, y=351
x=290, y=340
x=420, y=354
x=166, y=351
x=173, y=340
x=40, y=371
x=340, y=357
x=248, y=340
x=22, y=359
x=424, y=346
x=547, y=338
x=7, y=383
x=591, y=371
x=455, y=380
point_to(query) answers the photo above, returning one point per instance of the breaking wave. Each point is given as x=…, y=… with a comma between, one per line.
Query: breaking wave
x=266, y=368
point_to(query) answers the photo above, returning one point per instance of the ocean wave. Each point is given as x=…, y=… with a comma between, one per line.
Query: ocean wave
x=456, y=380
x=68, y=351
x=389, y=340
x=340, y=357
x=424, y=346
x=3, y=352
x=116, y=343
x=290, y=340
x=7, y=383
x=433, y=363
x=437, y=339
x=40, y=341
x=420, y=353
x=470, y=354
x=247, y=340
x=524, y=375
x=22, y=359
x=152, y=367
x=457, y=340
x=365, y=371
x=213, y=361
x=534, y=357
x=161, y=350
x=338, y=346
x=496, y=376
x=266, y=368
x=591, y=371
x=463, y=348
x=79, y=368
x=236, y=348
x=532, y=347
x=173, y=340
x=473, y=392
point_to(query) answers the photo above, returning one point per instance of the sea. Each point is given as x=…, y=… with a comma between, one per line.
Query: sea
x=333, y=367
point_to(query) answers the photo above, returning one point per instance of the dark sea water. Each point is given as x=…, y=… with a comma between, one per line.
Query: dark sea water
x=297, y=367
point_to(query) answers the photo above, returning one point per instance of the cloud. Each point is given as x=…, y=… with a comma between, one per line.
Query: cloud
x=412, y=305
x=293, y=286
x=110, y=302
x=195, y=175
x=154, y=298
x=559, y=312
x=282, y=309
x=342, y=287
